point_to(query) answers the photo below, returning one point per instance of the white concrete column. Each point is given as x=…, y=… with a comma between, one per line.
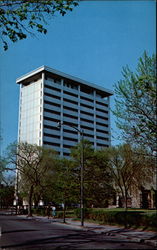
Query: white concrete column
x=94, y=94
x=79, y=113
x=41, y=125
x=19, y=115
x=109, y=120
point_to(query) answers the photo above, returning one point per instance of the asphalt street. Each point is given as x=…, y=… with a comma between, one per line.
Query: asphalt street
x=24, y=233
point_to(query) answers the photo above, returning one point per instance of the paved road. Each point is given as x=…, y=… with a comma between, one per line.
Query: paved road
x=23, y=233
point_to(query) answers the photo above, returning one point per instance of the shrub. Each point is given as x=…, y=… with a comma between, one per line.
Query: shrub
x=59, y=214
x=86, y=212
x=149, y=220
x=126, y=218
x=39, y=211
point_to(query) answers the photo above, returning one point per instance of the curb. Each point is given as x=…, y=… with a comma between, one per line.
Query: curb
x=70, y=225
x=151, y=242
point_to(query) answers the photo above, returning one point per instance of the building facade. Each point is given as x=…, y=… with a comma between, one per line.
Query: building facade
x=48, y=96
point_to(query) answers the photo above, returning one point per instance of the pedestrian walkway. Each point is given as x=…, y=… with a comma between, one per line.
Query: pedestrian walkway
x=134, y=235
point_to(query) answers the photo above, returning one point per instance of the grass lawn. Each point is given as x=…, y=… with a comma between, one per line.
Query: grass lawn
x=128, y=209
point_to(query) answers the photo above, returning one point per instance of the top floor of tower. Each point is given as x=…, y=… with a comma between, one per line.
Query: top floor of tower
x=65, y=80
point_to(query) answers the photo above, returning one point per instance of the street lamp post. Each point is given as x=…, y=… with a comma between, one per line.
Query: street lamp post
x=82, y=169
x=82, y=181
x=16, y=201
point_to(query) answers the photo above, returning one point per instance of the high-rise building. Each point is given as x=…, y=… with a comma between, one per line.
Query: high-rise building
x=48, y=96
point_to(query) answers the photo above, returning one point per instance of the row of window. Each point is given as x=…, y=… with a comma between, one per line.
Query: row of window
x=65, y=82
x=56, y=144
x=52, y=88
x=58, y=81
x=74, y=95
x=76, y=117
x=73, y=139
x=69, y=146
x=82, y=126
x=85, y=90
x=58, y=137
x=75, y=103
x=64, y=129
x=73, y=124
x=86, y=135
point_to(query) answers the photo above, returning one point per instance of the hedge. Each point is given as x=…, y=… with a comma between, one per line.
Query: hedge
x=39, y=211
x=127, y=218
x=42, y=212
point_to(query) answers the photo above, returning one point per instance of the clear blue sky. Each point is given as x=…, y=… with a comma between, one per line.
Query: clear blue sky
x=93, y=42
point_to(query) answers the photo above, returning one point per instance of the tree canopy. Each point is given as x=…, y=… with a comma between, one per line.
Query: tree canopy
x=34, y=164
x=97, y=179
x=131, y=169
x=2, y=169
x=136, y=103
x=20, y=18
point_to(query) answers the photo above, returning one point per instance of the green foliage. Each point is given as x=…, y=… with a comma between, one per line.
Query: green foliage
x=60, y=214
x=6, y=195
x=136, y=103
x=19, y=18
x=6, y=172
x=98, y=181
x=130, y=168
x=34, y=165
x=39, y=211
x=65, y=183
x=97, y=176
x=2, y=168
x=86, y=212
x=112, y=217
x=149, y=220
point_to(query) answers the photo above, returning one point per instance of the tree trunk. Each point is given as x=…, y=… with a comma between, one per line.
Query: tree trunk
x=36, y=200
x=126, y=201
x=64, y=211
x=30, y=201
x=126, y=207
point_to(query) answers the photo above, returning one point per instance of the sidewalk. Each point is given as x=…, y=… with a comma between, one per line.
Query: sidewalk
x=133, y=235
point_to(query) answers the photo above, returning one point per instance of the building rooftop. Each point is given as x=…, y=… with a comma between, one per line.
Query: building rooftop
x=35, y=74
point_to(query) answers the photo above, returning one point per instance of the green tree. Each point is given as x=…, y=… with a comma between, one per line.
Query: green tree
x=33, y=165
x=2, y=169
x=49, y=192
x=6, y=195
x=67, y=190
x=99, y=181
x=97, y=178
x=7, y=188
x=20, y=18
x=81, y=150
x=136, y=103
x=130, y=168
x=5, y=170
